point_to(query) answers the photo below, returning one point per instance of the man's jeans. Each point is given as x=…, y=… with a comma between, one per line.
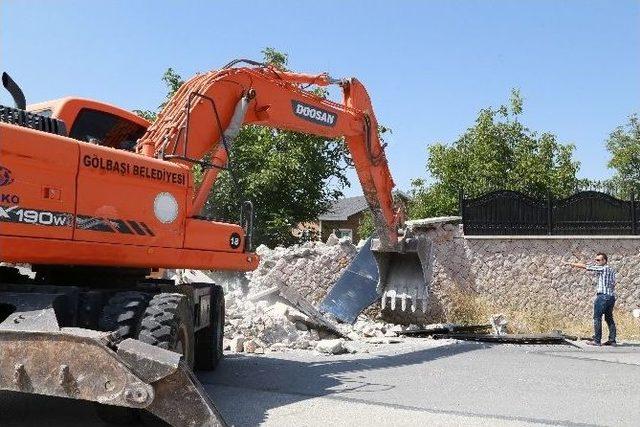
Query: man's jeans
x=603, y=305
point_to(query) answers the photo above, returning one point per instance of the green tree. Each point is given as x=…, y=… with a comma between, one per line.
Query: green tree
x=624, y=146
x=498, y=152
x=366, y=228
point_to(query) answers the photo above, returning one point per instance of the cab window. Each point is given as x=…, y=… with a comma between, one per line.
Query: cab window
x=98, y=127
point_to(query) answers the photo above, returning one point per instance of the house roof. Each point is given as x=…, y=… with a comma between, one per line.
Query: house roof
x=342, y=209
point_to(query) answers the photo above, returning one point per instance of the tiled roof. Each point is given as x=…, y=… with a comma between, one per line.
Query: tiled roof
x=342, y=209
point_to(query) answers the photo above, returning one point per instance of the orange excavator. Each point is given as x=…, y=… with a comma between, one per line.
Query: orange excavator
x=94, y=198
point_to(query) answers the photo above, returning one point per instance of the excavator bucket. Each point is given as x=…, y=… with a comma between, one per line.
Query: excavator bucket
x=37, y=356
x=400, y=278
x=404, y=276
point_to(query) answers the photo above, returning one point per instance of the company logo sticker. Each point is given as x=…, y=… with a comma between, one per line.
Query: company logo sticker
x=313, y=114
x=5, y=176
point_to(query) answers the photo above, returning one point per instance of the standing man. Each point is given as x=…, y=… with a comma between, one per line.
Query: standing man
x=605, y=298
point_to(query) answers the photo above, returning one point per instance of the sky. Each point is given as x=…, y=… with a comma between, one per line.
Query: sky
x=429, y=66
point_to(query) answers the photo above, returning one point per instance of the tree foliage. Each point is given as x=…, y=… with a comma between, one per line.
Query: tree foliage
x=366, y=228
x=498, y=152
x=624, y=146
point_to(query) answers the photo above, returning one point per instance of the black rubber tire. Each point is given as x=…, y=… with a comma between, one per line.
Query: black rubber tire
x=209, y=341
x=168, y=323
x=122, y=313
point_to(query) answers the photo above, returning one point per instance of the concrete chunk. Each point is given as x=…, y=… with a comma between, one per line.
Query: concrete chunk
x=237, y=344
x=331, y=346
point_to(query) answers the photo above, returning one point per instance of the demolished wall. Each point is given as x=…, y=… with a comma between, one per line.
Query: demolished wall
x=309, y=269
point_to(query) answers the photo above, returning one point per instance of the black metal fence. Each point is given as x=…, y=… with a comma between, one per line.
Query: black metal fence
x=506, y=212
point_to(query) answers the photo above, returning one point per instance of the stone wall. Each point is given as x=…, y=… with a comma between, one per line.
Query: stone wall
x=525, y=273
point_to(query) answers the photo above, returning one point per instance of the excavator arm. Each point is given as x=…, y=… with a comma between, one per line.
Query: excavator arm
x=207, y=112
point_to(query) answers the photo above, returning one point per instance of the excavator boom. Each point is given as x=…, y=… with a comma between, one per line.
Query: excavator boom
x=207, y=111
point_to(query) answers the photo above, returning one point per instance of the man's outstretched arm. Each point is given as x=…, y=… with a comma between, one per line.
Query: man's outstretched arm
x=575, y=264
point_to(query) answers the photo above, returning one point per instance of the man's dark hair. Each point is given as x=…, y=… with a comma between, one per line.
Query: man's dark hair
x=603, y=255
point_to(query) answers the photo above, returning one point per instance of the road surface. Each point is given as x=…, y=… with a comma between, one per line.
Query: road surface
x=418, y=382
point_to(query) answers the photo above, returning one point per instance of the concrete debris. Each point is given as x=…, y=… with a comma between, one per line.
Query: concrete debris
x=262, y=294
x=331, y=346
x=274, y=307
x=250, y=346
x=499, y=324
x=332, y=240
x=301, y=326
x=237, y=344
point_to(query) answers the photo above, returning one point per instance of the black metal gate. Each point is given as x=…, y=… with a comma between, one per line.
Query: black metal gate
x=507, y=212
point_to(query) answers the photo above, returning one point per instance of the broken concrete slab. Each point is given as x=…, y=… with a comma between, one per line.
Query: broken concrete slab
x=445, y=328
x=257, y=296
x=315, y=315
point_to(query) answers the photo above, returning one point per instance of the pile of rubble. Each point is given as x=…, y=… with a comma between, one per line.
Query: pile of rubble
x=259, y=319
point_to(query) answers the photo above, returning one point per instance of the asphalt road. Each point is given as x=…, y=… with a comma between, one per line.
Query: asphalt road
x=419, y=382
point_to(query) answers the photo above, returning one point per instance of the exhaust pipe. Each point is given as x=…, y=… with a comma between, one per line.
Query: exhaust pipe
x=15, y=91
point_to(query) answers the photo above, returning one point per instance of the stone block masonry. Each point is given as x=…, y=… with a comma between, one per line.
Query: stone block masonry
x=525, y=273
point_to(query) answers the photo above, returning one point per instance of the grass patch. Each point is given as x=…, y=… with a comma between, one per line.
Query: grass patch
x=467, y=307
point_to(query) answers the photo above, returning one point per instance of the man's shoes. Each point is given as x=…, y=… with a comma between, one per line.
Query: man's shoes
x=593, y=343
x=611, y=343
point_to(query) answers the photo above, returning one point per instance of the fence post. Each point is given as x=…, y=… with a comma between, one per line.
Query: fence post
x=549, y=214
x=461, y=203
x=634, y=228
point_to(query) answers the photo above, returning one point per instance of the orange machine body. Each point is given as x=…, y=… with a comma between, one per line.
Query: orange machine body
x=65, y=201
x=120, y=192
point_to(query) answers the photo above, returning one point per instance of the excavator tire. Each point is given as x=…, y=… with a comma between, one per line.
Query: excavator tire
x=168, y=323
x=123, y=313
x=209, y=346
